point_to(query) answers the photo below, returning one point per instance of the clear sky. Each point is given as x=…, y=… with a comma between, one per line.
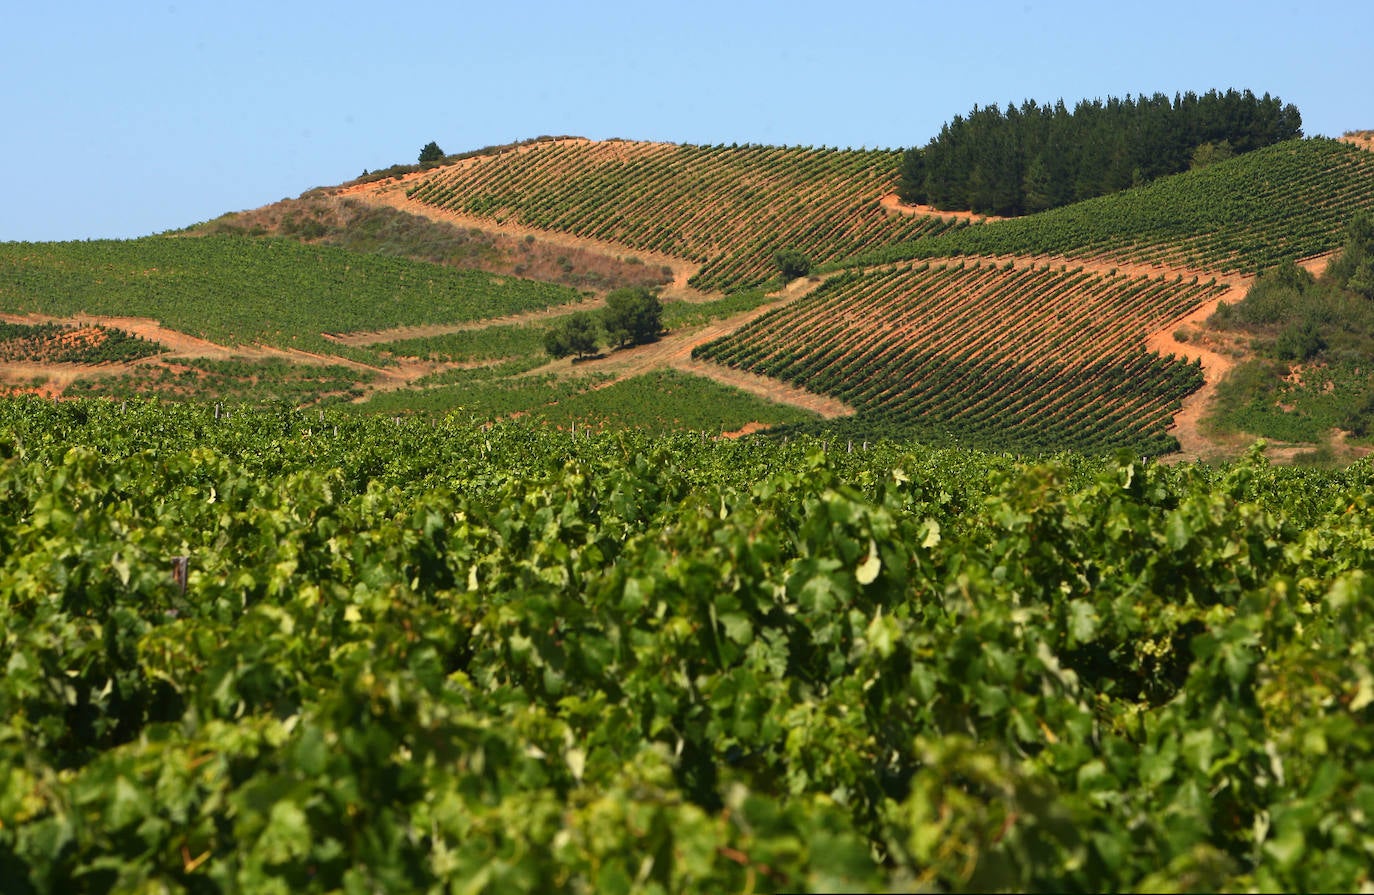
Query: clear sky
x=125, y=119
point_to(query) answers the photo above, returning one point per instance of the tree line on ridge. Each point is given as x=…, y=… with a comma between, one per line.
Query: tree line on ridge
x=1035, y=157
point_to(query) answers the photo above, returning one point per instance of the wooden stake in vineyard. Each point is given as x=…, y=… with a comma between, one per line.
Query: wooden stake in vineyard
x=181, y=570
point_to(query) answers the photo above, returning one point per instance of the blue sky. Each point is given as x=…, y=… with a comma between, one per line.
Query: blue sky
x=123, y=120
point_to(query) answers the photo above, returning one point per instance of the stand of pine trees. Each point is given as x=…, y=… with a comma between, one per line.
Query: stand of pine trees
x=1032, y=158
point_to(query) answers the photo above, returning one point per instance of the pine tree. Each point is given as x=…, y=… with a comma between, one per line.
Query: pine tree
x=431, y=153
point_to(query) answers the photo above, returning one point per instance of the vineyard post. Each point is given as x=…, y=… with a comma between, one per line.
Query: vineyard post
x=180, y=569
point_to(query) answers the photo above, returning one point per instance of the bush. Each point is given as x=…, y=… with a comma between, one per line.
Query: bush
x=1300, y=342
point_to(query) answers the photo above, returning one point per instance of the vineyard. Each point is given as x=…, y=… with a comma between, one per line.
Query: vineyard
x=58, y=344
x=1285, y=202
x=298, y=652
x=1030, y=357
x=1026, y=353
x=727, y=208
x=239, y=291
x=264, y=381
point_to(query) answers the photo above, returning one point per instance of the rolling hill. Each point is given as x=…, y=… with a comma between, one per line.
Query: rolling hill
x=420, y=292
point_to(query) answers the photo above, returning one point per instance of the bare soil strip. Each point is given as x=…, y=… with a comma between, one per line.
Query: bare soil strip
x=398, y=333
x=893, y=205
x=1193, y=443
x=393, y=194
x=674, y=350
x=1362, y=139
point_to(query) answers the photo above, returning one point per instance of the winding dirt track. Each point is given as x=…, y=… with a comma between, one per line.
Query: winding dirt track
x=893, y=205
x=675, y=348
x=674, y=351
x=393, y=195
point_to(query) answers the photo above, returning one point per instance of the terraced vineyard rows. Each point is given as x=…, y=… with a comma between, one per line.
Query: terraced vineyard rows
x=1286, y=202
x=238, y=291
x=1034, y=358
x=727, y=208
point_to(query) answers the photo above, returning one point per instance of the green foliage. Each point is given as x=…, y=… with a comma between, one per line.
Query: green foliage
x=577, y=333
x=717, y=206
x=1299, y=342
x=483, y=394
x=235, y=290
x=1290, y=200
x=59, y=344
x=496, y=342
x=1033, y=157
x=678, y=314
x=668, y=401
x=632, y=316
x=265, y=381
x=791, y=264
x=1206, y=154
x=1323, y=335
x=453, y=658
x=431, y=153
x=1354, y=269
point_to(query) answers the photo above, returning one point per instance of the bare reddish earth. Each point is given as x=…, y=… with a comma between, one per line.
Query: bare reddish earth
x=674, y=350
x=1362, y=139
x=894, y=205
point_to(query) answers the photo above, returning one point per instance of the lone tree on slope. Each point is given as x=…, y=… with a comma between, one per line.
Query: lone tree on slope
x=632, y=316
x=431, y=153
x=575, y=334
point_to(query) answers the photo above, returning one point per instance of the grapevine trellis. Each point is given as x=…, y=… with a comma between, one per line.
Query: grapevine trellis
x=1286, y=202
x=1033, y=357
x=726, y=208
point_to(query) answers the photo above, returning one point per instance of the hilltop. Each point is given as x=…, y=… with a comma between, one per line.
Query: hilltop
x=429, y=288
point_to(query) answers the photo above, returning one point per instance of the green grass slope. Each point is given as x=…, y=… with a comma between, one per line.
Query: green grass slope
x=237, y=291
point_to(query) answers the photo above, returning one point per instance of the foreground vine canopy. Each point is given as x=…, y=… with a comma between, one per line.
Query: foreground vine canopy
x=275, y=651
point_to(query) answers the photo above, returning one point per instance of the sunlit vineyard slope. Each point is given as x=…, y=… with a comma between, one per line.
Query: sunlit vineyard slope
x=728, y=208
x=238, y=290
x=1032, y=357
x=1285, y=202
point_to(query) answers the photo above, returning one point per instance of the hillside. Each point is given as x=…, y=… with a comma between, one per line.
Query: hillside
x=997, y=355
x=417, y=293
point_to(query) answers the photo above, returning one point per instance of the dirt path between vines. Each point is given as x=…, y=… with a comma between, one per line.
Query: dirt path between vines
x=674, y=351
x=1197, y=345
x=399, y=333
x=183, y=346
x=393, y=194
x=893, y=205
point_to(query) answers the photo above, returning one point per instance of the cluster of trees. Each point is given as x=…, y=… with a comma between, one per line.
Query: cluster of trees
x=632, y=316
x=1031, y=158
